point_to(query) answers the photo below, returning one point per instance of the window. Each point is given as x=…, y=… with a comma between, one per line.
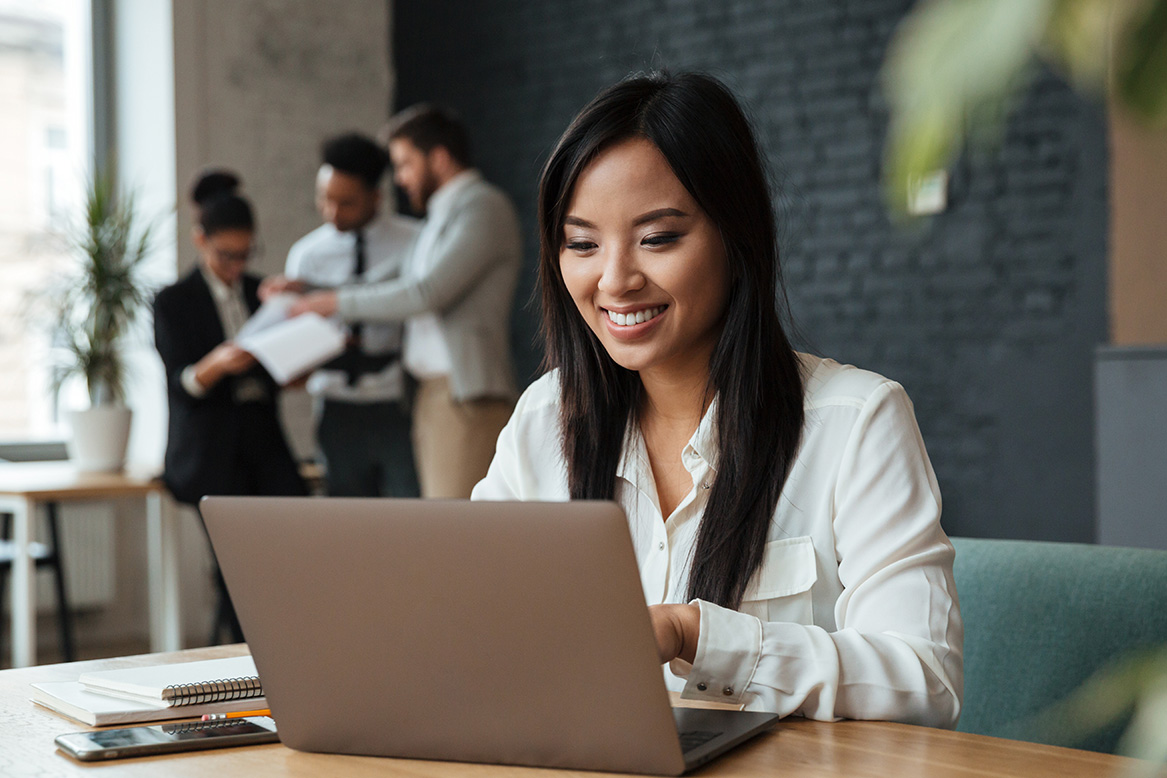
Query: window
x=45, y=77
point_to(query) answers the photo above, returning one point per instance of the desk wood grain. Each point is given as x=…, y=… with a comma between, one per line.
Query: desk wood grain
x=797, y=749
x=59, y=481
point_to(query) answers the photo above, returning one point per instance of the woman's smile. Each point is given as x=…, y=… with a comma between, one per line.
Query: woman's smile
x=632, y=317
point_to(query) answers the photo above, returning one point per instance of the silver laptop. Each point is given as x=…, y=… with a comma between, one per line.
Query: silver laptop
x=506, y=633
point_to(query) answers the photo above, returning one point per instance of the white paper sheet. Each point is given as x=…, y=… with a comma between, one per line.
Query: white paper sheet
x=291, y=347
x=271, y=313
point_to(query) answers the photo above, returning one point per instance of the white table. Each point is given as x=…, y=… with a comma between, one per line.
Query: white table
x=26, y=485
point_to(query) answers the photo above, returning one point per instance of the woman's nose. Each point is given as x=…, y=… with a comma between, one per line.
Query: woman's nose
x=621, y=273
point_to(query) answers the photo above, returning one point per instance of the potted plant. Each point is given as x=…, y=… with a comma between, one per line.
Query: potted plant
x=95, y=306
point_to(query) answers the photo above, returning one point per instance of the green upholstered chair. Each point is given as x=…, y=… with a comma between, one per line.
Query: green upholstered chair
x=1040, y=618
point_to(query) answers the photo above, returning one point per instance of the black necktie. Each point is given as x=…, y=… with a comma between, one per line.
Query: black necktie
x=354, y=346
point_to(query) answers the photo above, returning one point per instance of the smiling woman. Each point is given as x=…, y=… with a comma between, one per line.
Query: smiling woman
x=645, y=265
x=782, y=507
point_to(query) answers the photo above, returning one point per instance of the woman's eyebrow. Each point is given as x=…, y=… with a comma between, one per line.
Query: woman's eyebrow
x=645, y=218
x=660, y=213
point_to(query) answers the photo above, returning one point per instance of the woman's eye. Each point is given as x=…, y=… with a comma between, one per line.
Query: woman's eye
x=579, y=245
x=661, y=239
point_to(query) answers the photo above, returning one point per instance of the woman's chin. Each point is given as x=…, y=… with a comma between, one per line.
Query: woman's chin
x=627, y=358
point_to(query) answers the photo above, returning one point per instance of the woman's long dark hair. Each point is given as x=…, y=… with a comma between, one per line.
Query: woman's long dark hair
x=703, y=134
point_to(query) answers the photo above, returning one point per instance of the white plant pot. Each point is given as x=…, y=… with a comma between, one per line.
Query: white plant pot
x=99, y=438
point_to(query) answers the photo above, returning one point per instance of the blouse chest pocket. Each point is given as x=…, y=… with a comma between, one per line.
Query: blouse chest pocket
x=781, y=588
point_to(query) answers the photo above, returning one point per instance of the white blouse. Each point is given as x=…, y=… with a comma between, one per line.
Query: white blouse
x=853, y=613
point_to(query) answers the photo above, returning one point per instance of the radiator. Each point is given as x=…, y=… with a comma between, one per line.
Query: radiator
x=87, y=543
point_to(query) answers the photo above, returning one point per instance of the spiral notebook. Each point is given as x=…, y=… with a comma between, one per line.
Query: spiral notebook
x=73, y=700
x=190, y=683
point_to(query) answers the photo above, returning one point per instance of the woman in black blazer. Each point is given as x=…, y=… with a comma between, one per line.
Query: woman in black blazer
x=224, y=433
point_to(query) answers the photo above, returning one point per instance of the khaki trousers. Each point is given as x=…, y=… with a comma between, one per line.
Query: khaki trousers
x=453, y=442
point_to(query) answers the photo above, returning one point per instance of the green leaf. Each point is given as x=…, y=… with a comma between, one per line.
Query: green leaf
x=918, y=147
x=953, y=63
x=98, y=304
x=1144, y=737
x=1141, y=64
x=1135, y=681
x=1077, y=42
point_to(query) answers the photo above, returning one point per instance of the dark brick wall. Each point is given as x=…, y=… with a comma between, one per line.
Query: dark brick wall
x=988, y=314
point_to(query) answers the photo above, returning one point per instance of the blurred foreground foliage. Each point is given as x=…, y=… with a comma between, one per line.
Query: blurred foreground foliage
x=953, y=71
x=955, y=67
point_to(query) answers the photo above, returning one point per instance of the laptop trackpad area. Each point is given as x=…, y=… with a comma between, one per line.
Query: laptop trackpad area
x=706, y=734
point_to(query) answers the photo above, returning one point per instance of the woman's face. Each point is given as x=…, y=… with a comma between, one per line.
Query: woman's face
x=225, y=253
x=644, y=264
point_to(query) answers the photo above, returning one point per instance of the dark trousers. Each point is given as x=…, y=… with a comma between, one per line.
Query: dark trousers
x=263, y=467
x=367, y=450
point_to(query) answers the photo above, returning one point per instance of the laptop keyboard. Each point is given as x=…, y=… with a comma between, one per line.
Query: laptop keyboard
x=695, y=738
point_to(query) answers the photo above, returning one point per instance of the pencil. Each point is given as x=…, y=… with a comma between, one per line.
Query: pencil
x=236, y=715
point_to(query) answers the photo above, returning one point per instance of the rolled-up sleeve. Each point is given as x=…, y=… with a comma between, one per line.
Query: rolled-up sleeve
x=896, y=650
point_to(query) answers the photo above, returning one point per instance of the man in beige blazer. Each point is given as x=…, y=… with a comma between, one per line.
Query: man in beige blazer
x=455, y=297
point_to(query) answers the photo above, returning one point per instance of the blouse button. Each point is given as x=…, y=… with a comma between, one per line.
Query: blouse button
x=727, y=691
x=661, y=545
x=701, y=687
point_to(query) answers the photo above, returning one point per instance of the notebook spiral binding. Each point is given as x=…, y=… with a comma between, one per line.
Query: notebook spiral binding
x=200, y=726
x=223, y=690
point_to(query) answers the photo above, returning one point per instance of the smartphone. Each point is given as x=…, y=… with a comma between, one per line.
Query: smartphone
x=151, y=739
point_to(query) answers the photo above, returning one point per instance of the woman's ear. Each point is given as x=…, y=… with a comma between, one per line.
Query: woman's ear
x=198, y=237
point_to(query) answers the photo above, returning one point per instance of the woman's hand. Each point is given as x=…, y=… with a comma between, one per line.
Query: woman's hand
x=223, y=360
x=677, y=628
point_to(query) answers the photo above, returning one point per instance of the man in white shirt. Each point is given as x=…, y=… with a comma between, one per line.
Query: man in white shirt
x=363, y=426
x=455, y=298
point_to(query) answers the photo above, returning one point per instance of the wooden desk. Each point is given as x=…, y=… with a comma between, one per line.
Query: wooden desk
x=798, y=749
x=25, y=485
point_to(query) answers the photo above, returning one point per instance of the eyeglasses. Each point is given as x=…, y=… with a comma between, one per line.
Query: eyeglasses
x=224, y=255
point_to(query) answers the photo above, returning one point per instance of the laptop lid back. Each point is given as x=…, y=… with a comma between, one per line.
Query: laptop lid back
x=512, y=633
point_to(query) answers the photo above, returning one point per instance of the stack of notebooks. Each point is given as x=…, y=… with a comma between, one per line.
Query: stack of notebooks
x=139, y=694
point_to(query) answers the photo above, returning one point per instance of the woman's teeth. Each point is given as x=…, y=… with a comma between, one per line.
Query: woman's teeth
x=629, y=319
